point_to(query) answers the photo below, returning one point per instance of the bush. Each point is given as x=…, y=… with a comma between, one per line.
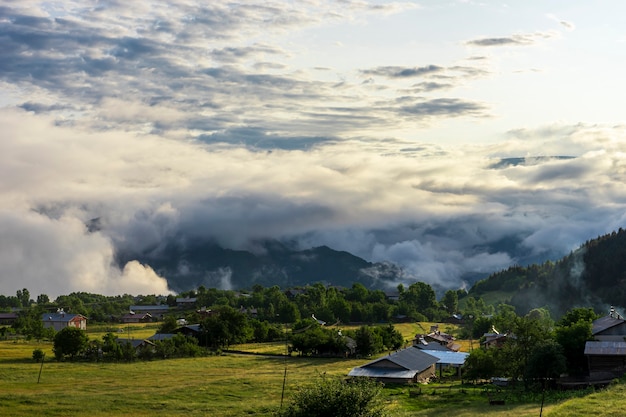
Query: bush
x=38, y=355
x=334, y=397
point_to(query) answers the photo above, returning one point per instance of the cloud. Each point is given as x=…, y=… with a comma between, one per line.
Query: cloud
x=520, y=39
x=445, y=106
x=127, y=125
x=399, y=72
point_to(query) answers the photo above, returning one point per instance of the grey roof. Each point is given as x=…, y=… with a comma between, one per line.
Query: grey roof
x=604, y=323
x=62, y=317
x=605, y=348
x=196, y=328
x=409, y=358
x=383, y=373
x=432, y=346
x=161, y=336
x=160, y=307
x=448, y=357
x=135, y=343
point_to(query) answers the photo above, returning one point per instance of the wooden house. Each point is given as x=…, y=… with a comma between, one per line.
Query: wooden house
x=134, y=317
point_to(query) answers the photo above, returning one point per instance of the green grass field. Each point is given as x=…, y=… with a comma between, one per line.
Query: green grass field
x=234, y=385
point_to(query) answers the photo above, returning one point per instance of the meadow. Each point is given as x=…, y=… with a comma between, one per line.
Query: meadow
x=236, y=385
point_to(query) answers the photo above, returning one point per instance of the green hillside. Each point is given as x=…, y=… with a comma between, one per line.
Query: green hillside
x=592, y=275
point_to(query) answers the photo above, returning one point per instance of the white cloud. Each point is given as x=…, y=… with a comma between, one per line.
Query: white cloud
x=240, y=121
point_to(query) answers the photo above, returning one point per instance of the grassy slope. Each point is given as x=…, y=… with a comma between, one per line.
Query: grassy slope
x=231, y=385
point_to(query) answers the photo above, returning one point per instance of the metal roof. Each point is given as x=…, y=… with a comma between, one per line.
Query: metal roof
x=605, y=348
x=62, y=317
x=383, y=373
x=448, y=357
x=604, y=323
x=432, y=346
x=409, y=359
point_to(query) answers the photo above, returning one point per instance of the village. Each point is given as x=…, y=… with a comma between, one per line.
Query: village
x=420, y=359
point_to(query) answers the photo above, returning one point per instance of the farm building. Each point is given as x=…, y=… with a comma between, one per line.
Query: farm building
x=609, y=328
x=8, y=318
x=606, y=355
x=156, y=311
x=133, y=317
x=137, y=344
x=61, y=319
x=404, y=366
x=447, y=359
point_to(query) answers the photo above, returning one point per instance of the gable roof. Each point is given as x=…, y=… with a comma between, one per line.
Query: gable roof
x=409, y=362
x=62, y=317
x=161, y=336
x=431, y=346
x=132, y=314
x=604, y=323
x=605, y=348
x=135, y=343
x=409, y=358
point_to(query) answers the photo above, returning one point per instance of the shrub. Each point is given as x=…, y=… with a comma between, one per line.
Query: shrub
x=38, y=355
x=335, y=397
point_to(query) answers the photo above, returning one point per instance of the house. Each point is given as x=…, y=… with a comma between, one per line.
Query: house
x=292, y=293
x=437, y=336
x=137, y=344
x=494, y=338
x=421, y=343
x=133, y=317
x=159, y=337
x=403, y=366
x=606, y=355
x=190, y=330
x=8, y=318
x=61, y=319
x=157, y=311
x=609, y=328
x=206, y=312
x=606, y=358
x=186, y=302
x=252, y=312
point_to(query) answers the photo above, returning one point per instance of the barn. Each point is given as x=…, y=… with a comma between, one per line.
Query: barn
x=404, y=366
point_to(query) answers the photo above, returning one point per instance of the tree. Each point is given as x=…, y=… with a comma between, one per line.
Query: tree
x=337, y=398
x=168, y=326
x=111, y=348
x=43, y=299
x=368, y=341
x=450, y=301
x=577, y=314
x=420, y=296
x=572, y=338
x=69, y=342
x=480, y=364
x=24, y=297
x=225, y=328
x=545, y=361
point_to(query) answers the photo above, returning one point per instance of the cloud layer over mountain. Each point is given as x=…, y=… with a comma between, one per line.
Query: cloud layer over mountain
x=129, y=125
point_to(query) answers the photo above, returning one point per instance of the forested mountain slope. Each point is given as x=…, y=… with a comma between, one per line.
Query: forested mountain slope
x=594, y=275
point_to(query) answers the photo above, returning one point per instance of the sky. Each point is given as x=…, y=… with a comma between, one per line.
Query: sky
x=449, y=137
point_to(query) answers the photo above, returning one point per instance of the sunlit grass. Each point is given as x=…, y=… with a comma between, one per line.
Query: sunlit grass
x=233, y=385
